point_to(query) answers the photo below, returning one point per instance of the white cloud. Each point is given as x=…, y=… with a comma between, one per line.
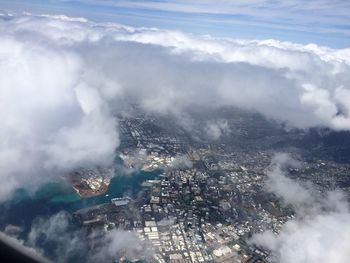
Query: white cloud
x=216, y=129
x=287, y=189
x=62, y=80
x=58, y=239
x=320, y=231
x=309, y=16
x=181, y=161
x=49, y=121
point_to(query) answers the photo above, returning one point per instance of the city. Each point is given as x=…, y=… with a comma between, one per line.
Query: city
x=209, y=197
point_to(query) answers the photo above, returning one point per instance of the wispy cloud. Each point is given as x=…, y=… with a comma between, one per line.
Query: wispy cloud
x=57, y=238
x=322, y=15
x=319, y=232
x=322, y=21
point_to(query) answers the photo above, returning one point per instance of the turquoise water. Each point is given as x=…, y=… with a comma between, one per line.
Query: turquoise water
x=56, y=196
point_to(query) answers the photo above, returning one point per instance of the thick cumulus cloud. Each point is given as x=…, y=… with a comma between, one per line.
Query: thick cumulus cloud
x=52, y=120
x=319, y=232
x=63, y=80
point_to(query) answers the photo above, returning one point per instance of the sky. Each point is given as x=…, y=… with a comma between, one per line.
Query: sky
x=323, y=22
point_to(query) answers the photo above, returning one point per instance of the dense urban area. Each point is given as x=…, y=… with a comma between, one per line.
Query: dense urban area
x=209, y=197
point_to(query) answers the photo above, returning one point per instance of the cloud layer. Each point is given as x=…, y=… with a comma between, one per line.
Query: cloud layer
x=63, y=80
x=52, y=120
x=320, y=231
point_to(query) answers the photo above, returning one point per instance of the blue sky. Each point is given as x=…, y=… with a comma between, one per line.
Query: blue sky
x=324, y=22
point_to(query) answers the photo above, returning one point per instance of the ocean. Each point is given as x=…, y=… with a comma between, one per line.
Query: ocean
x=53, y=197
